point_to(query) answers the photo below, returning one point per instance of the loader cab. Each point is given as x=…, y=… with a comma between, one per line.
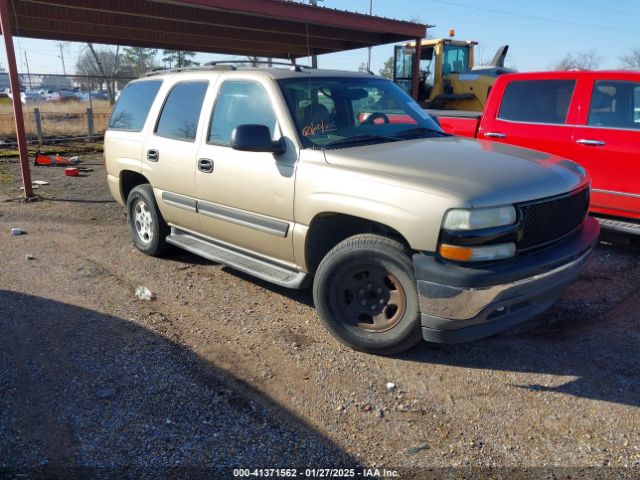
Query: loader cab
x=456, y=58
x=439, y=58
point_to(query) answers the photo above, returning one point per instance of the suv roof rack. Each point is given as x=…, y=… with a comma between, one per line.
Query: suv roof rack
x=292, y=66
x=225, y=65
x=159, y=71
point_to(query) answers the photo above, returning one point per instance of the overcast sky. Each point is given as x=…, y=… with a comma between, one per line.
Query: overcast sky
x=538, y=32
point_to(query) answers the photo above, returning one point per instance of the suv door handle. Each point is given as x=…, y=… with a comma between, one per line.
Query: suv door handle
x=153, y=155
x=494, y=135
x=205, y=165
x=591, y=143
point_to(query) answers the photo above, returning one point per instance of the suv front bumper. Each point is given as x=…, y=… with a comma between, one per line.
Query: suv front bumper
x=461, y=304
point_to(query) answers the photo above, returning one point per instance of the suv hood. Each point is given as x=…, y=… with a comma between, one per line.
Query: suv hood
x=482, y=172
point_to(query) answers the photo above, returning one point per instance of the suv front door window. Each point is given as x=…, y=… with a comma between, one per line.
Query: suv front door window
x=238, y=103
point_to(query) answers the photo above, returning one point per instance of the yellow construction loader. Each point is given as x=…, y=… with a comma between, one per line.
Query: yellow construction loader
x=447, y=77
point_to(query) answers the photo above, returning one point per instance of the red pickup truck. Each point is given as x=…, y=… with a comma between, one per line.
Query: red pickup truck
x=590, y=117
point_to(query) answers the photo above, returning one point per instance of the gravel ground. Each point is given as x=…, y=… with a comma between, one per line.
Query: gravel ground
x=224, y=370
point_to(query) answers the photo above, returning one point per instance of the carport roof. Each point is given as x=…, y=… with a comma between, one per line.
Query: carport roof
x=267, y=28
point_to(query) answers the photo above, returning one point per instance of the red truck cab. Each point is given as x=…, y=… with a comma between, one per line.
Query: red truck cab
x=590, y=117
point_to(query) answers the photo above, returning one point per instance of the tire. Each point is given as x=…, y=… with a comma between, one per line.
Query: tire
x=147, y=227
x=359, y=274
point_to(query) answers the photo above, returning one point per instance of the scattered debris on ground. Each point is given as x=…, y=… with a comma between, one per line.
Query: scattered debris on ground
x=144, y=293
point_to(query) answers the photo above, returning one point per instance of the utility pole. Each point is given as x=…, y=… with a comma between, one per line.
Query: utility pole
x=314, y=58
x=64, y=70
x=369, y=56
x=26, y=60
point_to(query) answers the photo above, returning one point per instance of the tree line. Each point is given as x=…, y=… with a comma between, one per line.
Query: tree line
x=592, y=60
x=113, y=67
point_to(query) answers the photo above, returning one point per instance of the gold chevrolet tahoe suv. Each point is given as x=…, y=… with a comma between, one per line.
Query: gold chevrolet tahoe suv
x=340, y=180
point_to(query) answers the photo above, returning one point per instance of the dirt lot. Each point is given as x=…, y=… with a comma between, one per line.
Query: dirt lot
x=222, y=370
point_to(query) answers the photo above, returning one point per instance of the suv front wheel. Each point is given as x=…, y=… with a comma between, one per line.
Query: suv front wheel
x=365, y=293
x=146, y=225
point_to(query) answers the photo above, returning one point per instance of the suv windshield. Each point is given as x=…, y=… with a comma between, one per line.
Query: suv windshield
x=332, y=112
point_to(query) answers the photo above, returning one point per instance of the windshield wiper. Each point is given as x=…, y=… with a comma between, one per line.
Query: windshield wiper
x=360, y=139
x=420, y=131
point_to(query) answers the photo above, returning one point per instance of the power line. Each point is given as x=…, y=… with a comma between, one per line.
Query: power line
x=599, y=7
x=37, y=52
x=533, y=17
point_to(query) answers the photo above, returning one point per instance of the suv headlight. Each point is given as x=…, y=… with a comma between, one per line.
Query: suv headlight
x=479, y=218
x=475, y=220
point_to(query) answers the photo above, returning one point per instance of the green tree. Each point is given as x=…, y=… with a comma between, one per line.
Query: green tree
x=387, y=69
x=179, y=58
x=142, y=60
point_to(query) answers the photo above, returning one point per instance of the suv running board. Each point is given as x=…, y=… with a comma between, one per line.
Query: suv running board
x=239, y=260
x=620, y=226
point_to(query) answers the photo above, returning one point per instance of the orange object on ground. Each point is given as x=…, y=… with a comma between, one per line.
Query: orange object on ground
x=42, y=159
x=72, y=172
x=51, y=160
x=62, y=161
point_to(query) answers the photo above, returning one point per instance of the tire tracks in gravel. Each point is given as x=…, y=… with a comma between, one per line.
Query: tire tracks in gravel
x=88, y=279
x=235, y=372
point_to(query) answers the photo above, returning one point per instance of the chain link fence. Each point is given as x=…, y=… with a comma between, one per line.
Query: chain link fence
x=59, y=107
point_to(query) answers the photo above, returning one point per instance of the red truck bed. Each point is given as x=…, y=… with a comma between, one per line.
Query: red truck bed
x=458, y=122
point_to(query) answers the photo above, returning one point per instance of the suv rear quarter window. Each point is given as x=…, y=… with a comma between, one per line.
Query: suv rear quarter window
x=133, y=105
x=181, y=111
x=537, y=101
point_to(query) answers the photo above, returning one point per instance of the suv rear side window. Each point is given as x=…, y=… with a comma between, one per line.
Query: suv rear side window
x=537, y=101
x=181, y=111
x=615, y=104
x=133, y=105
x=239, y=103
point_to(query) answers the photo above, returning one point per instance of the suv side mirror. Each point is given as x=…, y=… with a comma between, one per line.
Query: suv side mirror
x=255, y=138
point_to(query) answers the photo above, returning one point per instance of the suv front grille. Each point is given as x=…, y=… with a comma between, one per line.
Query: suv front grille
x=547, y=220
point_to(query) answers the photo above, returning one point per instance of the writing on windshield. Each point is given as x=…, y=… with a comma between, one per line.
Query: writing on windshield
x=332, y=110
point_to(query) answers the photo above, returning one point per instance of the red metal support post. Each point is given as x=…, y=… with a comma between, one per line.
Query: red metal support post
x=415, y=74
x=5, y=22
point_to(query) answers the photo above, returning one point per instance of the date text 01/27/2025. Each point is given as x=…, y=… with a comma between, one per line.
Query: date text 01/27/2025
x=315, y=473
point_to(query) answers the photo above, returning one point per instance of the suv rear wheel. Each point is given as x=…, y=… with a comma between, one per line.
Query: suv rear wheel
x=365, y=294
x=146, y=225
